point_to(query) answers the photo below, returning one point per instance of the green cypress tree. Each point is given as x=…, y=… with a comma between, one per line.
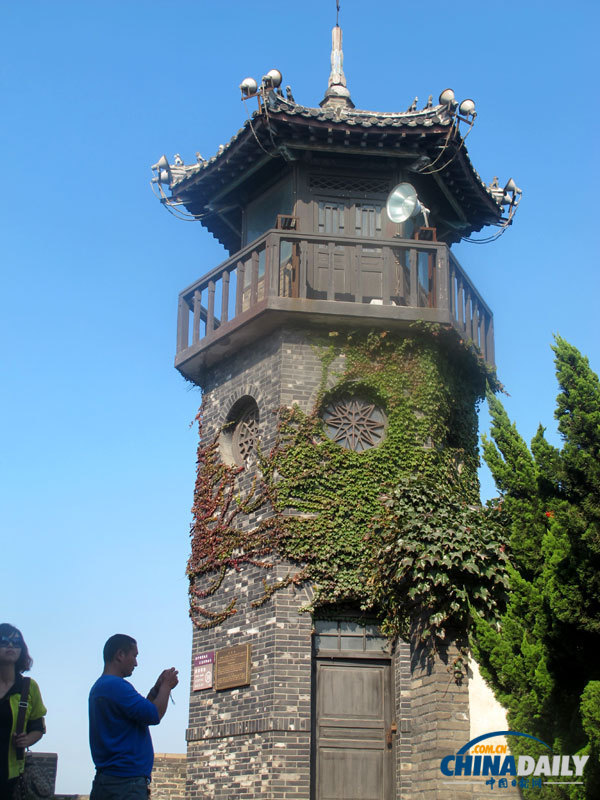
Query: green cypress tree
x=542, y=659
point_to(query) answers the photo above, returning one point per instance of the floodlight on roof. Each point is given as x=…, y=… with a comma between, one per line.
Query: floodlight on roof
x=248, y=87
x=274, y=77
x=447, y=98
x=467, y=108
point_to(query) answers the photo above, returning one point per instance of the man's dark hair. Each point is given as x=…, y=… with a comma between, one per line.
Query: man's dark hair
x=24, y=661
x=120, y=641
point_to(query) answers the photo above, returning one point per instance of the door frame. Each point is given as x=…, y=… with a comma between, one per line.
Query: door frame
x=348, y=657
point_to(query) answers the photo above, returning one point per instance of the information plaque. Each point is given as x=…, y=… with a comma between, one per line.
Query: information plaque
x=203, y=671
x=232, y=667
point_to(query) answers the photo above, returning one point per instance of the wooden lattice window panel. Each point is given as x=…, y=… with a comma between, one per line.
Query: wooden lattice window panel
x=354, y=423
x=368, y=220
x=348, y=185
x=331, y=218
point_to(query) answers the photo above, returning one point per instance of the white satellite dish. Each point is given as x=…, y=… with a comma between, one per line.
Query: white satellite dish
x=403, y=203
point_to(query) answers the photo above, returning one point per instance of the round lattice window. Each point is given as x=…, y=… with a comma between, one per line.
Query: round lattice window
x=354, y=423
x=240, y=433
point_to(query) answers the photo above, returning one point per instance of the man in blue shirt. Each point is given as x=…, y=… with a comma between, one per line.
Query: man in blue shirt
x=119, y=718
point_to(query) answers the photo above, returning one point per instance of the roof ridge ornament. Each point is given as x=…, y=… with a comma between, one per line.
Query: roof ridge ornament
x=337, y=94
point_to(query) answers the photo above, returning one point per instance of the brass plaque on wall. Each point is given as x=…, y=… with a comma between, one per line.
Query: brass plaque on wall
x=232, y=667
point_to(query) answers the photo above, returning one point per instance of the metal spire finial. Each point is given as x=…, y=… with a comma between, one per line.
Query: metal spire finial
x=337, y=93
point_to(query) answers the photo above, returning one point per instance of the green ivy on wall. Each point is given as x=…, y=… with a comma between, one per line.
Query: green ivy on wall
x=396, y=529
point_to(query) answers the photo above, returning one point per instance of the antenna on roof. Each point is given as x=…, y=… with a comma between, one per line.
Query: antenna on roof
x=337, y=13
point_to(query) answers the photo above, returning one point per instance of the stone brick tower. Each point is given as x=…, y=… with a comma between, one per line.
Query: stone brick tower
x=339, y=224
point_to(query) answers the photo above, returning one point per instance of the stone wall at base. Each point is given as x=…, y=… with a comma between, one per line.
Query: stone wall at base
x=168, y=776
x=48, y=763
x=269, y=764
x=71, y=797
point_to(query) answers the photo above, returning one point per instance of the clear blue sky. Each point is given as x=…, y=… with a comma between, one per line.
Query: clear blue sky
x=96, y=449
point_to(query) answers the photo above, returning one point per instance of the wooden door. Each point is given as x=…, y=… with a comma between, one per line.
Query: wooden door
x=353, y=716
x=349, y=272
x=329, y=276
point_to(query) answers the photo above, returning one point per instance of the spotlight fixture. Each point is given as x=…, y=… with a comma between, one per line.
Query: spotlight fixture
x=447, y=98
x=272, y=80
x=249, y=87
x=403, y=203
x=467, y=109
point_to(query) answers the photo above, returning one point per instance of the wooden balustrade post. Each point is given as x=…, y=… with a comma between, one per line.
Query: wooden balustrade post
x=490, y=356
x=239, y=288
x=254, y=278
x=399, y=263
x=469, y=315
x=460, y=296
x=414, y=278
x=273, y=264
x=386, y=279
x=472, y=319
x=210, y=316
x=183, y=324
x=330, y=275
x=303, y=269
x=197, y=316
x=356, y=264
x=225, y=297
x=442, y=279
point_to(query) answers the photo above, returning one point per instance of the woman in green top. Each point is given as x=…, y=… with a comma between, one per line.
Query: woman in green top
x=14, y=661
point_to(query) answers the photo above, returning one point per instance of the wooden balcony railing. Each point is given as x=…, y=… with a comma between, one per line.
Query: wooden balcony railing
x=287, y=271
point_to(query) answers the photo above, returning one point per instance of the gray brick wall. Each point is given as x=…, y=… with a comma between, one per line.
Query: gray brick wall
x=440, y=710
x=403, y=707
x=169, y=776
x=254, y=741
x=237, y=736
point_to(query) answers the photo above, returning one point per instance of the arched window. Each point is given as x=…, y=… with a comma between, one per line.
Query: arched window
x=240, y=432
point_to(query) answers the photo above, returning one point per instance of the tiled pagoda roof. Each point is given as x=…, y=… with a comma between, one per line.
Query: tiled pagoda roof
x=280, y=125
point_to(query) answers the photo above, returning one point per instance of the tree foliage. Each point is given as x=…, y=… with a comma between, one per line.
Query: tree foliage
x=542, y=660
